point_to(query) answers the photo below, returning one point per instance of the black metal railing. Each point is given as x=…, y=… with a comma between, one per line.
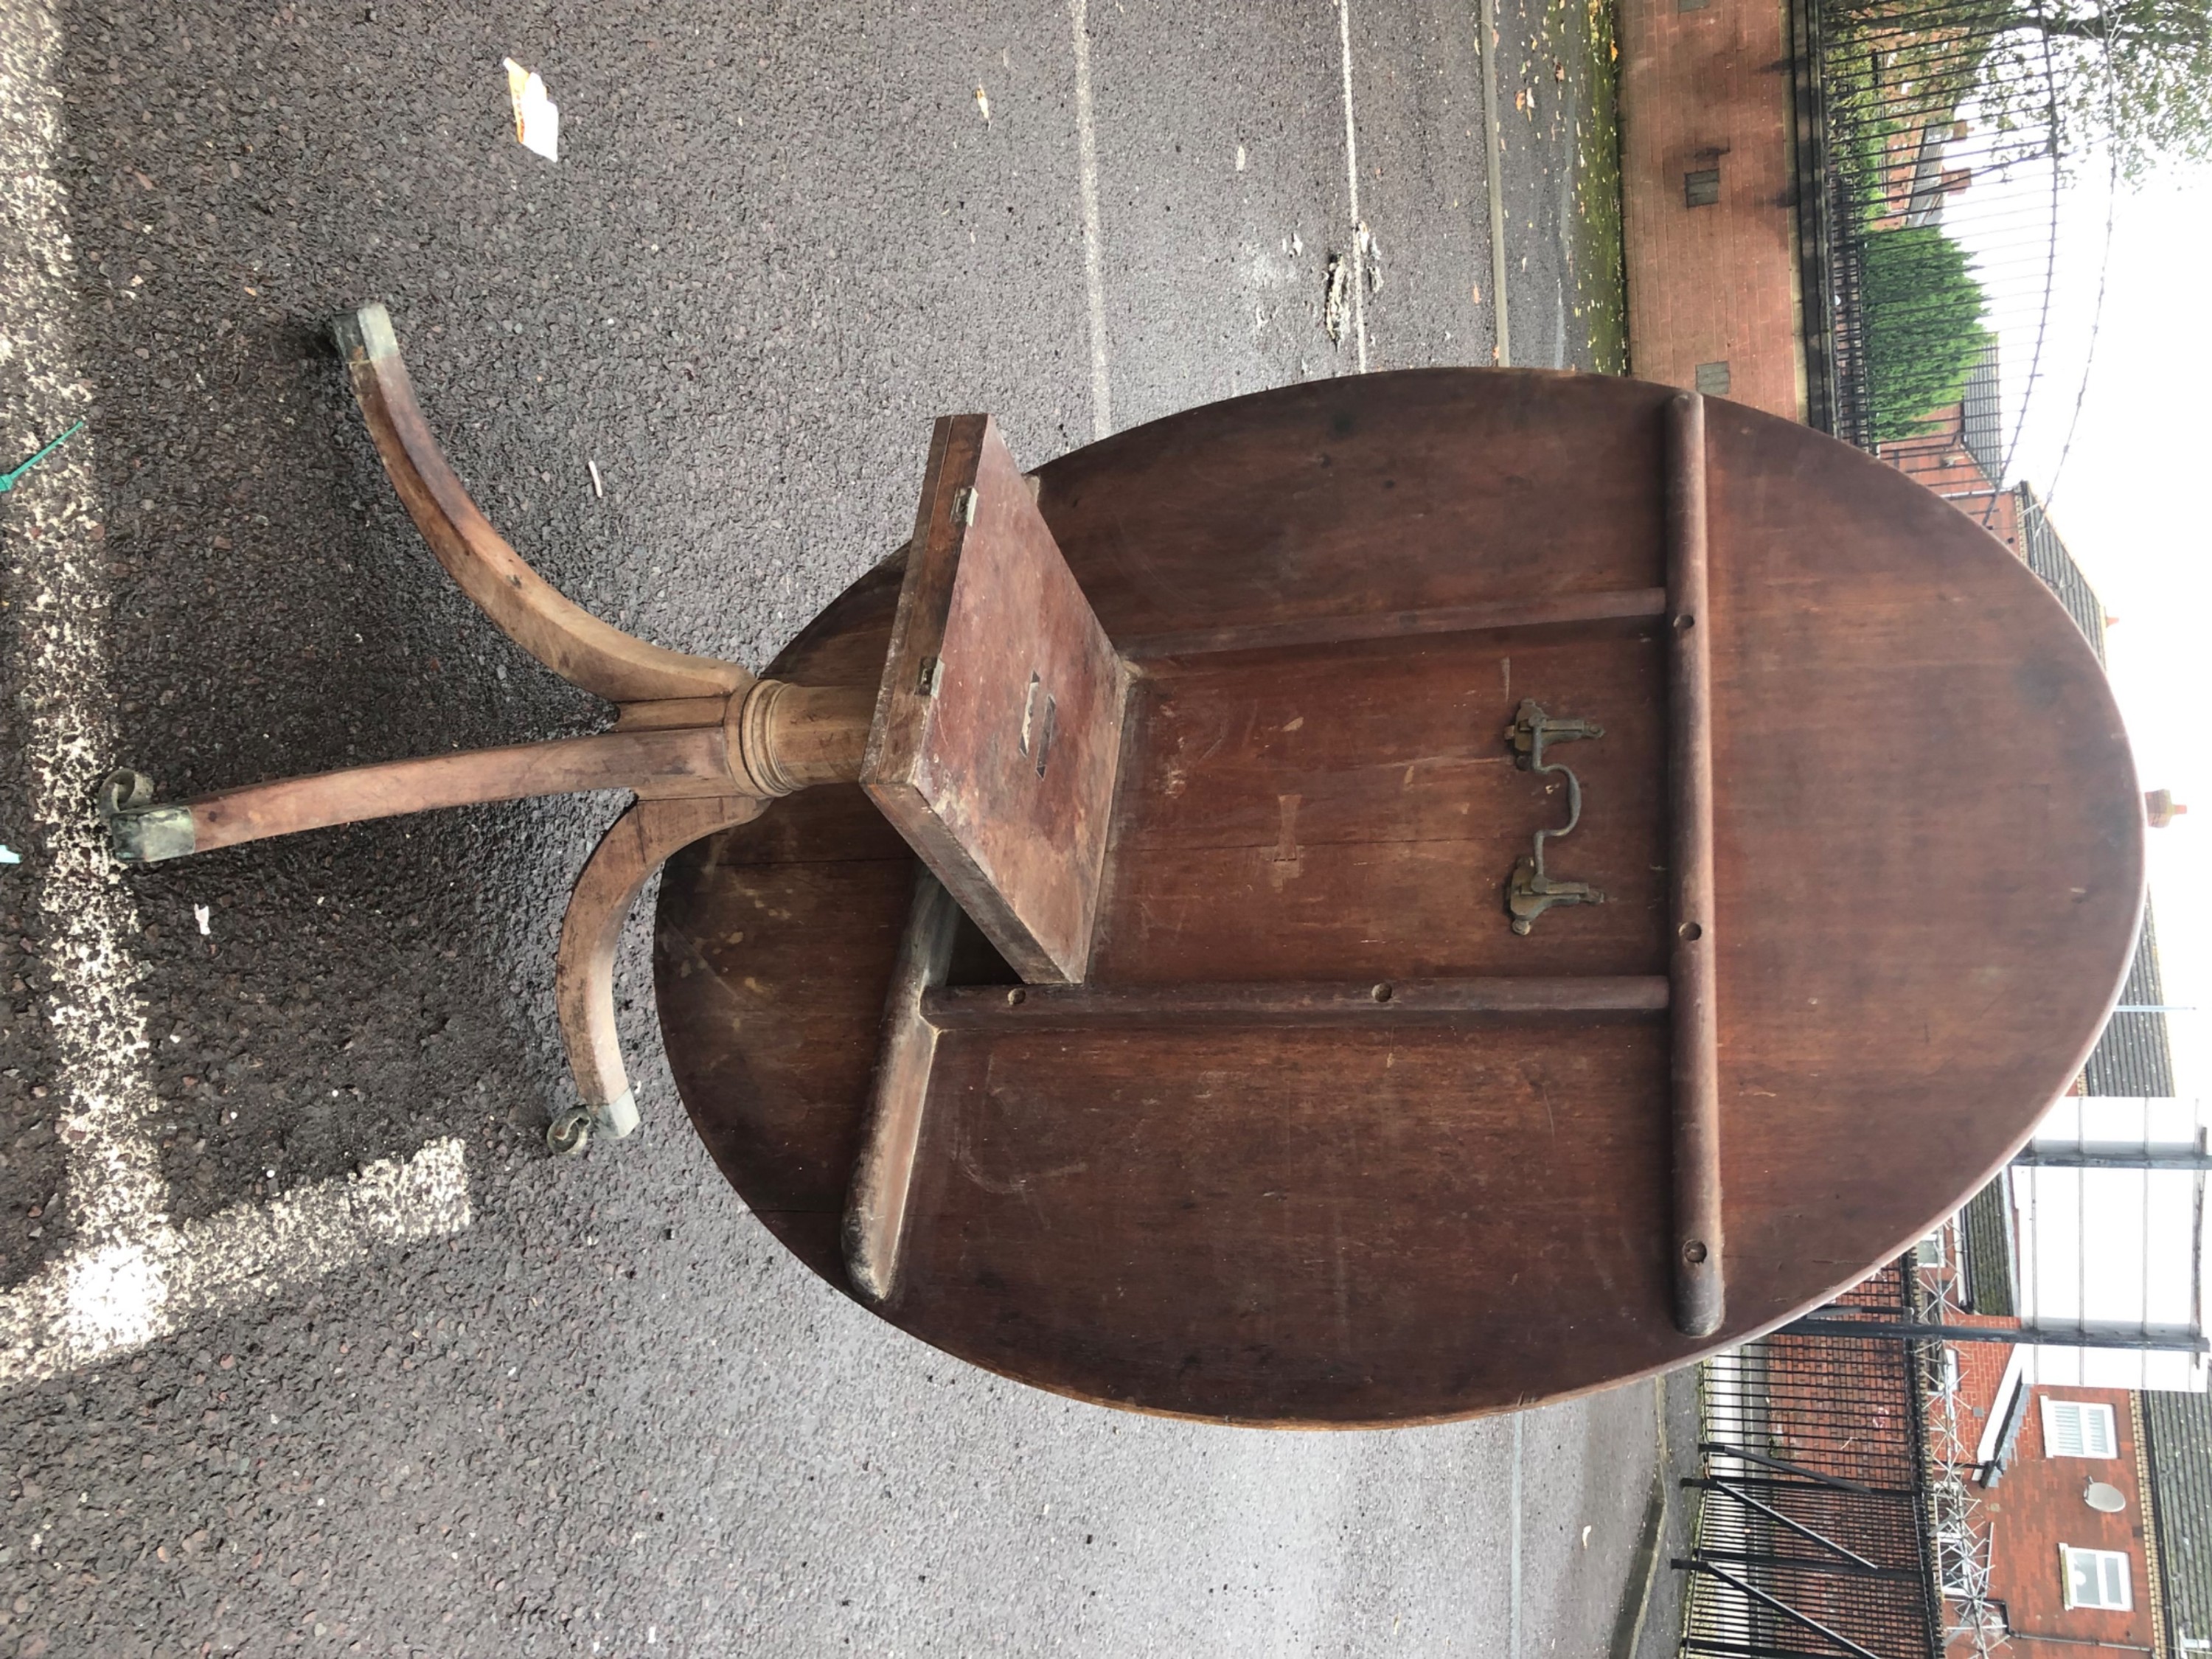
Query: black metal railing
x=1814, y=1536
x=1932, y=142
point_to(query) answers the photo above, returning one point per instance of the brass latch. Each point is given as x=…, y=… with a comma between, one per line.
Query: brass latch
x=1529, y=892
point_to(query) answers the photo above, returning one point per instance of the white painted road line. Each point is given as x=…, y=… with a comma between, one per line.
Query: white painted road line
x=97, y=1301
x=130, y=1275
x=1513, y=1570
x=1352, y=180
x=59, y=595
x=1094, y=257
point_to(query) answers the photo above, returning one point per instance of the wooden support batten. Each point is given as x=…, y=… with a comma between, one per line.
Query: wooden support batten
x=876, y=1205
x=1564, y=612
x=1008, y=1008
x=1701, y=1288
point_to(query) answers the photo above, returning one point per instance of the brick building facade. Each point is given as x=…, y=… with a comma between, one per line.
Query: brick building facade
x=2058, y=1564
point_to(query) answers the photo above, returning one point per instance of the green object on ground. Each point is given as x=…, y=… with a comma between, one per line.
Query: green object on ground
x=8, y=479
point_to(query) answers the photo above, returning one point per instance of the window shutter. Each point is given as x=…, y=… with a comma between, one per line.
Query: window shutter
x=2097, y=1436
x=2079, y=1428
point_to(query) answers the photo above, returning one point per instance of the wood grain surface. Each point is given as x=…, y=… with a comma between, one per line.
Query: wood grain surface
x=522, y=605
x=1378, y=1005
x=1927, y=875
x=1699, y=1242
x=883, y=1176
x=998, y=723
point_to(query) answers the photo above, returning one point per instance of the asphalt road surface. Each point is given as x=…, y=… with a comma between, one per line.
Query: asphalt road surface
x=306, y=1345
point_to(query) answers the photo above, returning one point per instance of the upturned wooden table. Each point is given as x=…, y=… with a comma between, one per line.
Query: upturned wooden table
x=1378, y=901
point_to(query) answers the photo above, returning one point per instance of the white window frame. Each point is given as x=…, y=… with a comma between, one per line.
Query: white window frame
x=2100, y=1563
x=1933, y=1250
x=2093, y=1431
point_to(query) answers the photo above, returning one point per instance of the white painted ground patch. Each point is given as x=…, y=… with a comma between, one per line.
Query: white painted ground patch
x=132, y=1276
x=100, y=1299
x=1351, y=188
x=1094, y=257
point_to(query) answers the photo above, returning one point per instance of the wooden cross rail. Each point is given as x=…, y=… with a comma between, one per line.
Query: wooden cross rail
x=1700, y=1289
x=1390, y=1003
x=1567, y=611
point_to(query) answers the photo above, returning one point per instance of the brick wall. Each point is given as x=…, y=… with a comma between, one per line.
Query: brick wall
x=1706, y=117
x=2039, y=1506
x=1981, y=1369
x=1940, y=459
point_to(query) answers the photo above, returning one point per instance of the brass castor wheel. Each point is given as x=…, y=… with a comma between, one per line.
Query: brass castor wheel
x=570, y=1131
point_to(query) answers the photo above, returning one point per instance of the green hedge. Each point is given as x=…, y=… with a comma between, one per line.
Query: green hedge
x=1924, y=313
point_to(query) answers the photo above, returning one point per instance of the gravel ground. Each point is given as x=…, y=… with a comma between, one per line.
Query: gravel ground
x=473, y=1401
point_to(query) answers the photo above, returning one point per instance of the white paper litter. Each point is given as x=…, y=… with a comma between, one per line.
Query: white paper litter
x=200, y=915
x=537, y=118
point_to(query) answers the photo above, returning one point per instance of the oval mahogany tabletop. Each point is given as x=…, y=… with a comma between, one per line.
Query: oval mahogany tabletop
x=1928, y=871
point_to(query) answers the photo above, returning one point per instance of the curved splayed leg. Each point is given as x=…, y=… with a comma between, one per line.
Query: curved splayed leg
x=639, y=843
x=522, y=605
